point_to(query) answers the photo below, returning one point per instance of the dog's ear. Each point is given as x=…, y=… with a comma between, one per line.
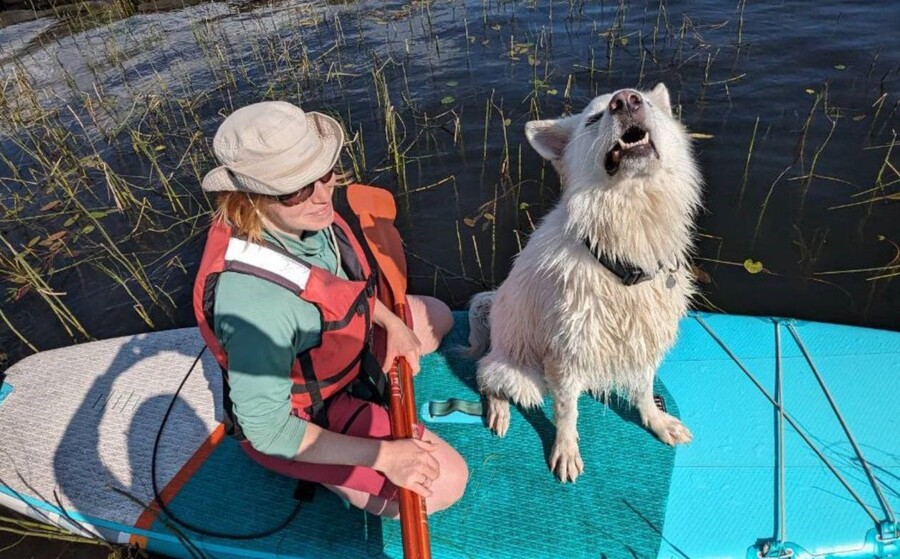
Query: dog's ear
x=660, y=94
x=550, y=137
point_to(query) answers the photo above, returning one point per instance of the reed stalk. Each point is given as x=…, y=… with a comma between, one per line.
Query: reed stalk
x=807, y=181
x=746, y=174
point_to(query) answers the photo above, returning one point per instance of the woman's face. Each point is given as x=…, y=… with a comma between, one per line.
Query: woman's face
x=313, y=214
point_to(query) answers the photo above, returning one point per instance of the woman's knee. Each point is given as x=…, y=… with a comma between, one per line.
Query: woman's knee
x=451, y=485
x=442, y=316
x=432, y=320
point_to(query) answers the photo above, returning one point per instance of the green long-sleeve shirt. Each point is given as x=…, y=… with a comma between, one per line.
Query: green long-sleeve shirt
x=262, y=327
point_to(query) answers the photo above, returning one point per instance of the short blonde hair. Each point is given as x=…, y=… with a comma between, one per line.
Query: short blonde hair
x=241, y=210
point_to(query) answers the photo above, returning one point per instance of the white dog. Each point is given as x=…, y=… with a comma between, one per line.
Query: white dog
x=594, y=299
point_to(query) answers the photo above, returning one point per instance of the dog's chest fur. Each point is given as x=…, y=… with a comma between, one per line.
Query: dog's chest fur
x=620, y=329
x=609, y=334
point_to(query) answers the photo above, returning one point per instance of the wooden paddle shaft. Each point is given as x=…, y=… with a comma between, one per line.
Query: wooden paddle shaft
x=376, y=210
x=413, y=512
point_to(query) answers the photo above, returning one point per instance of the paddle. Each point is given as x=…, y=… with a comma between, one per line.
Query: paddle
x=376, y=210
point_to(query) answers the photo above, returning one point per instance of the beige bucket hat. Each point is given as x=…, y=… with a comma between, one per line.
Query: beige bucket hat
x=273, y=148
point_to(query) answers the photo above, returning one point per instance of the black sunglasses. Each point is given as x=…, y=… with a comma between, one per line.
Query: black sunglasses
x=304, y=193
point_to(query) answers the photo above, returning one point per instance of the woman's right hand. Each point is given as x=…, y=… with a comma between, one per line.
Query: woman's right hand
x=409, y=463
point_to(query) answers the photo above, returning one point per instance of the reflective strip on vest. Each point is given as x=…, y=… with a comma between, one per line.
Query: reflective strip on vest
x=264, y=258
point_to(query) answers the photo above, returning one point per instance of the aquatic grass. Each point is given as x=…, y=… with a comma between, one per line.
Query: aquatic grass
x=478, y=260
x=355, y=151
x=130, y=264
x=393, y=123
x=810, y=247
x=662, y=16
x=65, y=165
x=799, y=150
x=747, y=164
x=887, y=271
x=808, y=177
x=644, y=51
x=29, y=528
x=469, y=39
x=742, y=4
x=679, y=46
x=706, y=70
x=614, y=35
x=567, y=93
x=705, y=303
x=20, y=272
x=67, y=181
x=765, y=204
x=747, y=265
x=889, y=118
x=878, y=105
x=750, y=266
x=16, y=333
x=878, y=192
x=504, y=154
x=143, y=145
x=878, y=277
x=459, y=249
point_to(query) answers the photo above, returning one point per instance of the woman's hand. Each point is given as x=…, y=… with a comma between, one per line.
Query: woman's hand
x=409, y=463
x=401, y=342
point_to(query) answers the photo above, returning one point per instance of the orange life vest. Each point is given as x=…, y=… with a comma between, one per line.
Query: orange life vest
x=345, y=305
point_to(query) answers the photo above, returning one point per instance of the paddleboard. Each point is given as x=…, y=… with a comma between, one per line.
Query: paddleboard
x=773, y=469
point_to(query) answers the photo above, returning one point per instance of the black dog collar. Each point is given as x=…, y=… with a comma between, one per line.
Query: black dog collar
x=627, y=272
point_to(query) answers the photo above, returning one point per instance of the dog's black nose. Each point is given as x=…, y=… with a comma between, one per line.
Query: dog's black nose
x=627, y=101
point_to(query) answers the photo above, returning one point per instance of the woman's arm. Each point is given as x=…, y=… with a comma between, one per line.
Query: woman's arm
x=384, y=317
x=407, y=463
x=401, y=341
x=256, y=322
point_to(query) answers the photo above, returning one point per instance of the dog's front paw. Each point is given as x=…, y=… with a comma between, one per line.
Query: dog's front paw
x=669, y=429
x=497, y=415
x=565, y=460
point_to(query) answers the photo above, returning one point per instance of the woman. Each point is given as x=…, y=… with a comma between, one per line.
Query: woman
x=286, y=300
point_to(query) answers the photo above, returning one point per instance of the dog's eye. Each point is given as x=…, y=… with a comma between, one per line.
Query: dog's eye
x=593, y=119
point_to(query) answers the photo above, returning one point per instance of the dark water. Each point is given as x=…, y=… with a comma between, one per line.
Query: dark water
x=818, y=82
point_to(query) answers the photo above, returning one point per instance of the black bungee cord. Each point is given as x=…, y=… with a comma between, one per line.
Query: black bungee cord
x=182, y=522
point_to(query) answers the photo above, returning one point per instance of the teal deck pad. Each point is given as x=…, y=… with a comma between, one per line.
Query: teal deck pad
x=513, y=507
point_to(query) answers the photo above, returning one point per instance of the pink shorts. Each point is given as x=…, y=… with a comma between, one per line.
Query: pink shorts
x=352, y=416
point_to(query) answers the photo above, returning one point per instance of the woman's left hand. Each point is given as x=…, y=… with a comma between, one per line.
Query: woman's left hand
x=401, y=342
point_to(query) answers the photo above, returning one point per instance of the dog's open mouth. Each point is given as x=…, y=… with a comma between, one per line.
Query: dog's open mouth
x=635, y=142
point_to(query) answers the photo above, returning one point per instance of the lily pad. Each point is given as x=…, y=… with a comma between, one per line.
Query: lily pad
x=753, y=266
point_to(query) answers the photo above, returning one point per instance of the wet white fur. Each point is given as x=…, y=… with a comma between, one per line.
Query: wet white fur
x=563, y=323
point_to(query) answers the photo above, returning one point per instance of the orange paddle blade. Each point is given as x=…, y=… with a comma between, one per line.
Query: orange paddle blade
x=376, y=210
